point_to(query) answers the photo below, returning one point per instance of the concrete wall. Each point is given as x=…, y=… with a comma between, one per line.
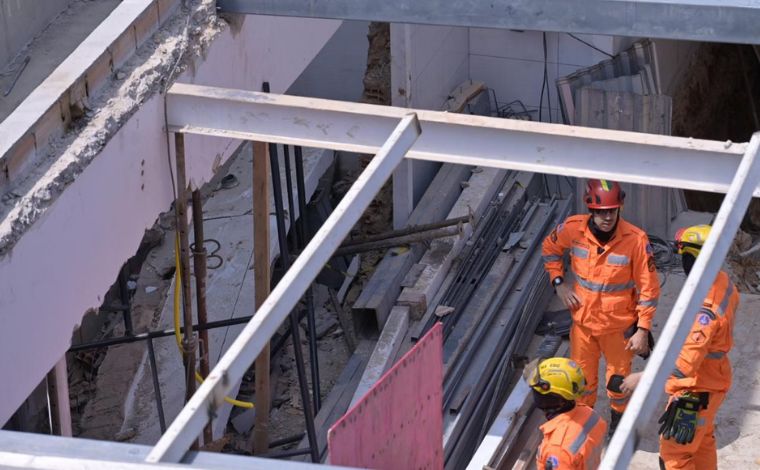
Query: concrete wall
x=512, y=63
x=672, y=61
x=21, y=21
x=338, y=70
x=45, y=283
x=427, y=62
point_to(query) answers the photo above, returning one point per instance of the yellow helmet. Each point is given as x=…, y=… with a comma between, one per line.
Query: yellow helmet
x=558, y=375
x=690, y=240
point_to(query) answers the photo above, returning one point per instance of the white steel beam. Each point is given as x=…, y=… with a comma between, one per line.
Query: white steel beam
x=703, y=20
x=268, y=318
x=662, y=361
x=38, y=451
x=458, y=138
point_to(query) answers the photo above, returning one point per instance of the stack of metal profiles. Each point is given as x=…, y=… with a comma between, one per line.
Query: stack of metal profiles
x=498, y=292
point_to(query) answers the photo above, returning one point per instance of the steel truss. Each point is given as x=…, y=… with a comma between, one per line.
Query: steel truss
x=393, y=133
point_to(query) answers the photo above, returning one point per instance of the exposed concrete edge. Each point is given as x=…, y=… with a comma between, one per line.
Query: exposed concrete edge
x=46, y=113
x=52, y=163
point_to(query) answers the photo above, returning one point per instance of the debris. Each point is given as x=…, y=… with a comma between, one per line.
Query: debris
x=120, y=75
x=443, y=310
x=243, y=422
x=150, y=289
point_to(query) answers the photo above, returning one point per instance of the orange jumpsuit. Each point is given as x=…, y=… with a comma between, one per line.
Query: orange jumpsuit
x=703, y=366
x=572, y=440
x=618, y=287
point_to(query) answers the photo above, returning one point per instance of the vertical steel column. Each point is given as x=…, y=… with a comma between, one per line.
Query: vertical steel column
x=255, y=336
x=180, y=207
x=663, y=358
x=199, y=266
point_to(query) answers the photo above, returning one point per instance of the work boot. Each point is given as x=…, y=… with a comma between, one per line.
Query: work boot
x=614, y=420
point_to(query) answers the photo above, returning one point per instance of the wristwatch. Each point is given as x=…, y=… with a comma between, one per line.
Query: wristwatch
x=557, y=281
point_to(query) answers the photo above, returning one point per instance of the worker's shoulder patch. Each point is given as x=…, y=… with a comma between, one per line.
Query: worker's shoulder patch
x=704, y=319
x=552, y=462
x=698, y=337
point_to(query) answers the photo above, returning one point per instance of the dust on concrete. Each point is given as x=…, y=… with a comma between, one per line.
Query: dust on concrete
x=172, y=49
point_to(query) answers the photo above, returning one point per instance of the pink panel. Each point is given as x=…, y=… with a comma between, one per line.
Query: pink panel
x=398, y=424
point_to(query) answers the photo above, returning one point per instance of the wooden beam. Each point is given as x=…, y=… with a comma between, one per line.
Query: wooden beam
x=261, y=264
x=58, y=393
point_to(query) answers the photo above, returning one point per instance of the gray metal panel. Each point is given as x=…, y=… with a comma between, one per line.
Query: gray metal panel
x=716, y=21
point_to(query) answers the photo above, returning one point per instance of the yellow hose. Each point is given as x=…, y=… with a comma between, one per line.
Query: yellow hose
x=178, y=335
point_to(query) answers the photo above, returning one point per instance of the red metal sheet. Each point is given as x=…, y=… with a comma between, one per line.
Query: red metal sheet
x=398, y=424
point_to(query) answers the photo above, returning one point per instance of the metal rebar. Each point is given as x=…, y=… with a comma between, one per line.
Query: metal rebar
x=199, y=266
x=406, y=231
x=285, y=454
x=188, y=341
x=294, y=316
x=411, y=238
x=156, y=386
x=287, y=440
x=289, y=190
x=309, y=297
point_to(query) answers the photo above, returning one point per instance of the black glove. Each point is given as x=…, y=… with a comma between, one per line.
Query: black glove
x=680, y=418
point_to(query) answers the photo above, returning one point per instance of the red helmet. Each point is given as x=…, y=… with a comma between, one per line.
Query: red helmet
x=603, y=194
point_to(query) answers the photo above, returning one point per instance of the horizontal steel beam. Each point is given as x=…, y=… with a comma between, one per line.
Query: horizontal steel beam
x=663, y=359
x=20, y=450
x=701, y=20
x=458, y=138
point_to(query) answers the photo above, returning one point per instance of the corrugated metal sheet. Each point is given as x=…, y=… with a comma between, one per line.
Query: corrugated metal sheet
x=623, y=93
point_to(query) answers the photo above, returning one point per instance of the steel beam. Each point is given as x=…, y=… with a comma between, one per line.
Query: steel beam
x=230, y=369
x=662, y=361
x=38, y=451
x=702, y=20
x=458, y=138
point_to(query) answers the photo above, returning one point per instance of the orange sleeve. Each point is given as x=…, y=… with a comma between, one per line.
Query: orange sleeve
x=555, y=457
x=553, y=249
x=647, y=283
x=694, y=349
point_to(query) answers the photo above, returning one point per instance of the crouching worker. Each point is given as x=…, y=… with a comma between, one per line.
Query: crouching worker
x=702, y=375
x=574, y=434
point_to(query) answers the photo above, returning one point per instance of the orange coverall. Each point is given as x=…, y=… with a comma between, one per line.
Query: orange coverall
x=703, y=366
x=572, y=440
x=617, y=286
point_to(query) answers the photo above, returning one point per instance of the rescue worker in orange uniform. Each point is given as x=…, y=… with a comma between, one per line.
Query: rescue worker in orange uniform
x=702, y=375
x=616, y=288
x=574, y=433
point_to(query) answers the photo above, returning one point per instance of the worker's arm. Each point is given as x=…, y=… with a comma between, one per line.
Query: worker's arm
x=695, y=348
x=647, y=284
x=553, y=249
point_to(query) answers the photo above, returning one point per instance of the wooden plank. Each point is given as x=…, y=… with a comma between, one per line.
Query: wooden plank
x=261, y=182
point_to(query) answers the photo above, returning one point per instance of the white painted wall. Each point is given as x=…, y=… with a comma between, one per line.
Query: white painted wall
x=427, y=63
x=337, y=72
x=512, y=63
x=65, y=263
x=21, y=21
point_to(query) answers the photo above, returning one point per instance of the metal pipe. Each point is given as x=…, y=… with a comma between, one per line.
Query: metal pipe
x=255, y=336
x=199, y=265
x=156, y=386
x=309, y=298
x=406, y=231
x=188, y=342
x=286, y=440
x=706, y=267
x=398, y=241
x=294, y=317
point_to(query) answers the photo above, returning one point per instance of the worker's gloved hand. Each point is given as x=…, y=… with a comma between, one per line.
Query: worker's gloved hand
x=680, y=419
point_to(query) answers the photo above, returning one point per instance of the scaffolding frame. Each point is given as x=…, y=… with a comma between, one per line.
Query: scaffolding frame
x=398, y=133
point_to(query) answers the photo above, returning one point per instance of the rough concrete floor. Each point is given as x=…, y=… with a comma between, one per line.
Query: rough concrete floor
x=50, y=48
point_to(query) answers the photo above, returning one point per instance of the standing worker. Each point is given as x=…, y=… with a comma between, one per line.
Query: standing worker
x=574, y=433
x=702, y=375
x=616, y=289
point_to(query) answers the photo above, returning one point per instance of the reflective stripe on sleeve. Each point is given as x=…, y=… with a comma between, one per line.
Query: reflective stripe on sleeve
x=596, y=287
x=581, y=439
